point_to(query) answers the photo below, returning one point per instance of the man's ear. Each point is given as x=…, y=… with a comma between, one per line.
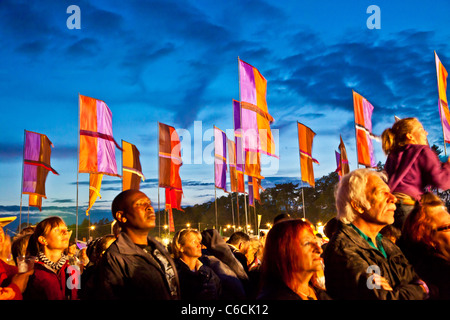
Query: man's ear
x=120, y=217
x=356, y=207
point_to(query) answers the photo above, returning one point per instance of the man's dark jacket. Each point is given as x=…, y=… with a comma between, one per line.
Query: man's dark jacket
x=350, y=261
x=127, y=272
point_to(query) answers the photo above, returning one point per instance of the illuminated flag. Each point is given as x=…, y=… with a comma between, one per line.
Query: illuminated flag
x=338, y=164
x=253, y=164
x=131, y=167
x=443, y=104
x=36, y=165
x=343, y=160
x=95, y=183
x=232, y=164
x=251, y=197
x=169, y=158
x=253, y=190
x=363, y=123
x=173, y=201
x=305, y=142
x=220, y=159
x=97, y=152
x=255, y=118
x=240, y=163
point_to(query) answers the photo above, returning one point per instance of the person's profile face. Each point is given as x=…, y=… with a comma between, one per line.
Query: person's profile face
x=382, y=201
x=139, y=211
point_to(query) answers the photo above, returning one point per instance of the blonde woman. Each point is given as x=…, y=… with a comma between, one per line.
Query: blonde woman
x=411, y=165
x=197, y=281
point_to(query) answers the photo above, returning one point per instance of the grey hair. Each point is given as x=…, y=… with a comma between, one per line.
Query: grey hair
x=352, y=188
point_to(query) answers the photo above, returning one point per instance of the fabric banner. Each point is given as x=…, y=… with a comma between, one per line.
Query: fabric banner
x=169, y=158
x=131, y=167
x=95, y=183
x=343, y=159
x=231, y=148
x=251, y=197
x=444, y=112
x=239, y=151
x=97, y=151
x=338, y=164
x=305, y=142
x=220, y=159
x=253, y=164
x=253, y=190
x=173, y=201
x=255, y=118
x=363, y=123
x=36, y=165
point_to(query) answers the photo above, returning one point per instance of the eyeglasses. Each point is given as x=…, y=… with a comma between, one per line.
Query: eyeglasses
x=443, y=228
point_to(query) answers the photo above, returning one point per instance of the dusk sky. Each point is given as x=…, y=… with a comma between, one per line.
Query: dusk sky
x=176, y=62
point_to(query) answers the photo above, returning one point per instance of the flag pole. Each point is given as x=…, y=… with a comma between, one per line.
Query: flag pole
x=301, y=181
x=21, y=183
x=242, y=144
x=159, y=211
x=78, y=164
x=215, y=187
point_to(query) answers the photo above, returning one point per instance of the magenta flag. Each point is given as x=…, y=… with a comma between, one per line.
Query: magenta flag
x=220, y=159
x=255, y=118
x=240, y=162
x=97, y=144
x=251, y=198
x=36, y=163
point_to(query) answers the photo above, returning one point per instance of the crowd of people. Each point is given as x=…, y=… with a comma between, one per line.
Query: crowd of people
x=390, y=240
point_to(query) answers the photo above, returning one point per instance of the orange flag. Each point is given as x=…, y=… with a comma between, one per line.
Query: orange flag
x=131, y=167
x=97, y=152
x=363, y=124
x=305, y=141
x=443, y=103
x=95, y=183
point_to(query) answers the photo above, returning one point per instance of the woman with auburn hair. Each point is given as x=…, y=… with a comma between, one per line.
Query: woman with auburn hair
x=411, y=165
x=47, y=244
x=425, y=242
x=291, y=260
x=197, y=281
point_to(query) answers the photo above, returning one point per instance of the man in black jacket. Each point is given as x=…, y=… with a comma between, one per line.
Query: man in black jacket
x=136, y=266
x=359, y=263
x=239, y=243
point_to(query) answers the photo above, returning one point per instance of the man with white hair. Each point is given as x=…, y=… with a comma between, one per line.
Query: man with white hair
x=359, y=263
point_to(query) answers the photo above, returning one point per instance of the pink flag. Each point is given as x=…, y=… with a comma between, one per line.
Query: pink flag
x=220, y=159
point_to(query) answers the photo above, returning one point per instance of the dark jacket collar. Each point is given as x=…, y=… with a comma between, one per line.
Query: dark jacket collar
x=353, y=235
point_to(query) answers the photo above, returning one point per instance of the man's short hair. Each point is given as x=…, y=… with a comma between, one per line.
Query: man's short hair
x=119, y=203
x=237, y=237
x=352, y=187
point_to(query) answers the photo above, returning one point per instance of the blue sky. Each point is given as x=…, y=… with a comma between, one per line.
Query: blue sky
x=175, y=62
